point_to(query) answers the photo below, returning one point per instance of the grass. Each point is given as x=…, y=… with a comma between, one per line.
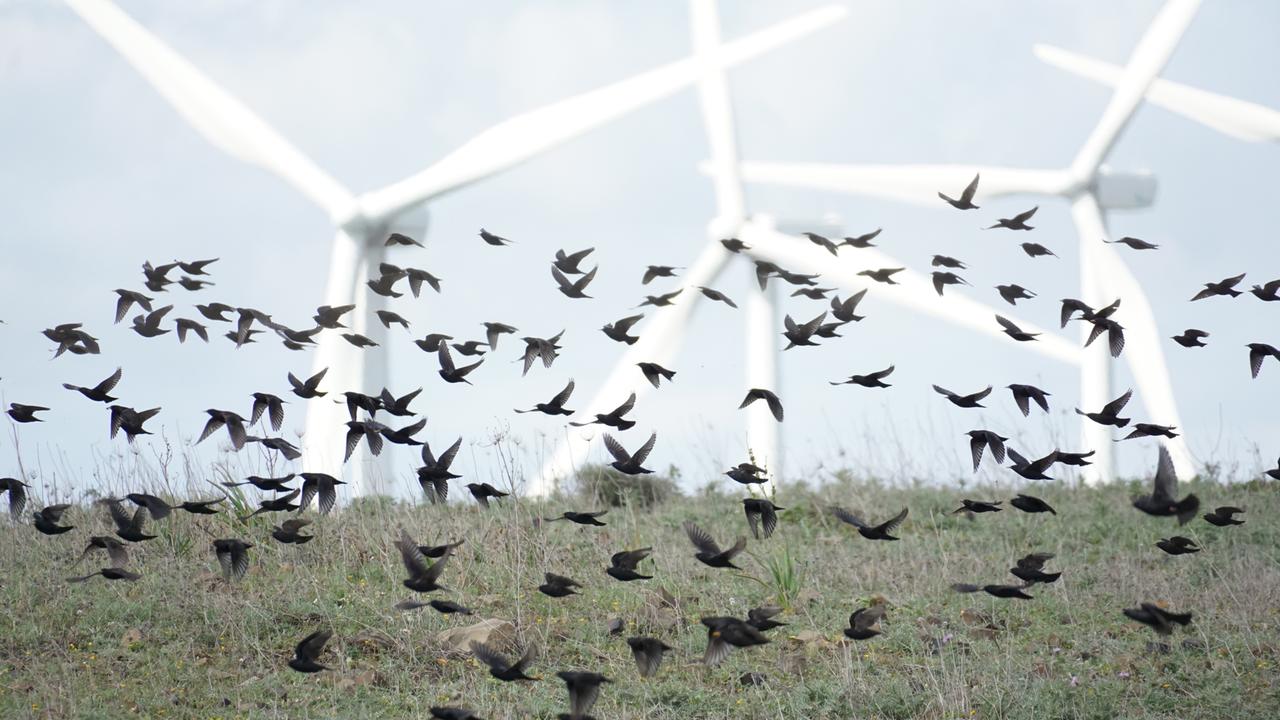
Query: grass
x=182, y=643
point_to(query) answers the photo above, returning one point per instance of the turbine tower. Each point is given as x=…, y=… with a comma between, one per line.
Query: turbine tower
x=363, y=221
x=661, y=336
x=1091, y=188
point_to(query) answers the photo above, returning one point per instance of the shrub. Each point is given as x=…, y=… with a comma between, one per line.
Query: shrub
x=603, y=484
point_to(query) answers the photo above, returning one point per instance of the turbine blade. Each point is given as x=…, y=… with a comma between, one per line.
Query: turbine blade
x=717, y=114
x=1146, y=62
x=524, y=136
x=215, y=114
x=907, y=183
x=1237, y=118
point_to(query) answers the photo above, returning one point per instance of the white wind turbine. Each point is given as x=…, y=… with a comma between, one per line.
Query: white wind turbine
x=1091, y=188
x=1237, y=118
x=661, y=337
x=363, y=221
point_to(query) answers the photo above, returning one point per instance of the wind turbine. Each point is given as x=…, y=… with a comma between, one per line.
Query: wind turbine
x=1091, y=188
x=661, y=337
x=363, y=221
x=1237, y=118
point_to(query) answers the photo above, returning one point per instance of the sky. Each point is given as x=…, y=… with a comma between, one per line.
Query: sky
x=100, y=174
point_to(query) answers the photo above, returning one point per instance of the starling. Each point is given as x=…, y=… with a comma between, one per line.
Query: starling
x=654, y=373
x=726, y=633
x=305, y=654
x=482, y=492
x=862, y=241
x=448, y=607
x=554, y=406
x=1014, y=331
x=980, y=440
x=619, y=329
x=1157, y=618
x=657, y=271
x=400, y=239
x=734, y=245
x=495, y=240
x=647, y=653
x=844, y=310
x=661, y=300
x=283, y=503
x=1132, y=242
x=500, y=666
x=761, y=618
x=1013, y=293
x=964, y=401
x=422, y=578
x=584, y=689
x=1178, y=545
x=1191, y=337
x=1024, y=394
x=17, y=495
x=709, y=553
x=117, y=553
x=233, y=556
x=452, y=713
x=46, y=520
x=775, y=405
x=1221, y=287
x=747, y=474
x=576, y=288
x=942, y=279
x=267, y=484
x=1161, y=501
x=568, y=263
x=1030, y=504
x=126, y=301
x=761, y=514
x=329, y=317
x=432, y=342
x=965, y=202
x=717, y=296
x=558, y=586
x=1030, y=569
x=947, y=262
x=802, y=333
x=871, y=532
x=326, y=486
x=99, y=392
x=978, y=506
x=272, y=405
x=628, y=463
x=307, y=390
x=434, y=475
x=615, y=417
x=110, y=573
x=1257, y=353
x=287, y=532
x=1110, y=413
x=1074, y=459
x=1006, y=592
x=1032, y=470
x=450, y=372
x=862, y=623
x=622, y=566
x=1017, y=222
x=883, y=275
x=871, y=380
x=581, y=518
x=823, y=242
x=25, y=413
x=225, y=418
x=1267, y=293
x=540, y=348
x=200, y=507
x=128, y=527
x=1222, y=516
x=1141, y=430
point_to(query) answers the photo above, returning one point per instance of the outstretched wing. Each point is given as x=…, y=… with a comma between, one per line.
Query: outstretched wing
x=615, y=449
x=701, y=539
x=1115, y=406
x=1166, y=480
x=643, y=453
x=846, y=516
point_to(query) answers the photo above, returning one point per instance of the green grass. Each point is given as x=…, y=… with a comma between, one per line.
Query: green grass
x=181, y=643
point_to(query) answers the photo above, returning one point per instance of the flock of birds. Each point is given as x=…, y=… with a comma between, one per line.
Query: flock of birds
x=425, y=564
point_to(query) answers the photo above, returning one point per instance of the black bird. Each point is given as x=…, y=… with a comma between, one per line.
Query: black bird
x=747, y=474
x=717, y=296
x=452, y=373
x=964, y=401
x=660, y=300
x=883, y=275
x=233, y=556
x=267, y=484
x=200, y=507
x=288, y=533
x=156, y=507
x=540, y=348
x=192, y=284
x=1141, y=430
x=863, y=621
x=761, y=618
x=470, y=348
x=1178, y=545
x=775, y=405
x=980, y=440
x=622, y=565
x=726, y=633
x=495, y=240
x=1157, y=618
x=1032, y=470
x=554, y=406
x=417, y=277
x=647, y=653
x=709, y=553
x=568, y=262
x=305, y=654
x=388, y=318
x=126, y=301
x=558, y=586
x=500, y=666
x=1257, y=353
x=615, y=417
x=326, y=486
x=845, y=310
x=439, y=551
x=385, y=283
x=576, y=288
x=654, y=373
x=1013, y=293
x=482, y=492
x=657, y=271
x=1132, y=242
x=1000, y=591
x=1014, y=331
x=824, y=242
x=46, y=520
x=330, y=317
x=618, y=330
x=871, y=532
x=1267, y=293
x=400, y=239
x=225, y=418
x=978, y=506
x=1114, y=331
x=148, y=326
x=422, y=578
x=871, y=380
x=734, y=245
x=801, y=333
x=1017, y=222
x=25, y=413
x=1110, y=413
x=215, y=311
x=196, y=267
x=1161, y=502
x=452, y=713
x=434, y=475
x=186, y=325
x=284, y=503
x=404, y=435
x=1074, y=459
x=110, y=573
x=1191, y=337
x=117, y=552
x=947, y=262
x=128, y=527
x=1030, y=569
x=397, y=406
x=1222, y=516
x=813, y=293
x=965, y=202
x=70, y=338
x=581, y=518
x=1036, y=250
x=1275, y=473
x=270, y=404
x=310, y=388
x=629, y=463
x=584, y=689
x=1031, y=504
x=370, y=430
x=1221, y=287
x=17, y=495
x=942, y=279
x=1024, y=394
x=444, y=607
x=862, y=241
x=99, y=392
x=130, y=421
x=761, y=514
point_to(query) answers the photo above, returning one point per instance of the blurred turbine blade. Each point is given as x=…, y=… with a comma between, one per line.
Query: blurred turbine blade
x=717, y=114
x=918, y=184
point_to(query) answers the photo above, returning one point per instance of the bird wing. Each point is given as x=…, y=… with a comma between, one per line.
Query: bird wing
x=1023, y=399
x=582, y=696
x=446, y=459
x=753, y=519
x=446, y=361
x=970, y=189
x=882, y=374
x=109, y=384
x=1025, y=216
x=943, y=391
x=625, y=407
x=615, y=449
x=775, y=405
x=892, y=524
x=214, y=425
x=643, y=452
x=563, y=396
x=980, y=394
x=701, y=539
x=561, y=280
x=312, y=645
x=846, y=516
x=489, y=656
x=865, y=618
x=410, y=556
x=585, y=280
x=1115, y=406
x=1256, y=356
x=625, y=324
x=1007, y=324
x=1166, y=480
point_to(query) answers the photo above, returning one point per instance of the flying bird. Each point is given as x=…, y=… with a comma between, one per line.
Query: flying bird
x=1191, y=337
x=1037, y=250
x=1269, y=292
x=657, y=271
x=1013, y=293
x=942, y=279
x=219, y=419
x=1178, y=545
x=660, y=300
x=1257, y=353
x=1024, y=394
x=558, y=586
x=233, y=557
x=400, y=239
x=775, y=405
x=622, y=565
x=964, y=401
x=654, y=373
x=483, y=492
x=554, y=406
x=883, y=275
x=717, y=296
x=568, y=263
x=99, y=392
x=1162, y=501
x=871, y=532
x=1224, y=516
x=575, y=288
x=1157, y=618
x=614, y=418
x=307, y=651
x=628, y=463
x=17, y=495
x=310, y=388
x=450, y=372
x=620, y=329
x=422, y=578
x=726, y=633
x=965, y=202
x=1222, y=287
x=495, y=240
x=1006, y=592
x=319, y=484
x=823, y=242
x=500, y=666
x=584, y=690
x=863, y=621
x=47, y=518
x=862, y=241
x=871, y=380
x=1031, y=504
x=978, y=506
x=1030, y=569
x=1032, y=470
x=1132, y=242
x=1014, y=331
x=980, y=440
x=844, y=310
x=647, y=652
x=1017, y=222
x=581, y=518
x=1110, y=413
x=761, y=515
x=25, y=413
x=709, y=552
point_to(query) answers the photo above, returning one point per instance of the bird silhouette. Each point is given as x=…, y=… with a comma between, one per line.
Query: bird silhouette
x=554, y=406
x=558, y=586
x=1110, y=413
x=657, y=271
x=283, y=503
x=581, y=518
x=484, y=492
x=863, y=621
x=46, y=519
x=864, y=240
x=25, y=413
x=450, y=372
x=654, y=373
x=1157, y=618
x=726, y=633
x=761, y=514
x=320, y=485
x=615, y=418
x=1141, y=430
x=422, y=578
x=1162, y=502
x=17, y=495
x=307, y=651
x=883, y=275
x=972, y=400
x=1006, y=592
x=1024, y=394
x=1257, y=353
x=1270, y=292
x=980, y=440
x=1014, y=331
x=661, y=300
x=233, y=557
x=1133, y=243
x=1224, y=516
x=584, y=690
x=965, y=201
x=1032, y=470
x=647, y=652
x=1222, y=287
x=629, y=463
x=823, y=242
x=1178, y=545
x=619, y=330
x=717, y=296
x=871, y=532
x=1017, y=222
x=1191, y=337
x=775, y=405
x=709, y=552
x=495, y=240
x=400, y=239
x=1012, y=293
x=130, y=421
x=871, y=380
x=568, y=263
x=1036, y=250
x=99, y=392
x=622, y=565
x=978, y=506
x=434, y=475
x=1031, y=504
x=1030, y=569
x=845, y=310
x=310, y=388
x=288, y=532
x=575, y=288
x=500, y=666
x=942, y=279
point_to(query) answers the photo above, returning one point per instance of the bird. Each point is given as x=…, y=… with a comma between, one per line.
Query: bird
x=110, y=573
x=1014, y=331
x=17, y=495
x=270, y=404
x=584, y=690
x=535, y=348
x=823, y=242
x=319, y=484
x=310, y=388
x=233, y=556
x=568, y=263
x=871, y=532
x=434, y=475
x=576, y=288
x=1110, y=413
x=726, y=633
x=647, y=652
x=99, y=392
x=614, y=418
x=1162, y=501
x=148, y=325
x=1257, y=353
x=554, y=406
x=1224, y=516
x=581, y=518
x=801, y=333
x=439, y=551
x=1012, y=293
x=330, y=317
x=495, y=330
x=964, y=401
x=1225, y=286
x=761, y=515
x=47, y=518
x=1270, y=292
x=417, y=277
x=470, y=348
x=25, y=413
x=654, y=373
x=657, y=271
x=388, y=318
x=761, y=618
x=844, y=310
x=1017, y=222
x=947, y=261
x=619, y=329
x=1132, y=242
x=495, y=240
x=863, y=621
x=130, y=421
x=444, y=607
x=483, y=492
x=1141, y=430
x=558, y=586
x=500, y=666
x=978, y=506
x=306, y=652
x=1031, y=504
x=1157, y=618
x=401, y=239
x=397, y=406
x=372, y=432
x=199, y=507
x=813, y=293
x=629, y=463
x=1024, y=394
x=1036, y=250
x=942, y=279
x=717, y=296
x=622, y=565
x=661, y=300
x=193, y=284
x=747, y=474
x=288, y=533
x=1000, y=591
x=127, y=299
x=965, y=202
x=156, y=507
x=422, y=578
x=775, y=405
x=225, y=418
x=980, y=440
x=1115, y=335
x=452, y=713
x=1030, y=569
x=862, y=241
x=1032, y=470
x=117, y=552
x=267, y=484
x=1178, y=545
x=883, y=275
x=128, y=527
x=870, y=380
x=284, y=503
x=216, y=311
x=1191, y=337
x=450, y=372
x=734, y=245
x=709, y=553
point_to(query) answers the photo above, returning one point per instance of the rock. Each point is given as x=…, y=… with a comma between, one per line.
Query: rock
x=495, y=632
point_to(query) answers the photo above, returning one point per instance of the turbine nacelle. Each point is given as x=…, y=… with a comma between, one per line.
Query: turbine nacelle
x=1119, y=190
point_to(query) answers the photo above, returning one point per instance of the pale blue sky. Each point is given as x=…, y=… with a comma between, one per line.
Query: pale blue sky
x=100, y=174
